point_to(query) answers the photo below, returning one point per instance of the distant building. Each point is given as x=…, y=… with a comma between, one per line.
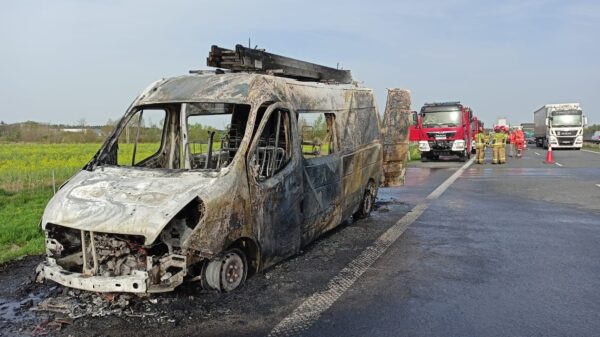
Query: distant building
x=96, y=131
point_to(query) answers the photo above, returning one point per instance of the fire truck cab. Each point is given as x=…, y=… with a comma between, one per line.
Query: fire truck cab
x=444, y=130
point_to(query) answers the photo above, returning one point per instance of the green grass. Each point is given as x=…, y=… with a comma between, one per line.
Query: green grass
x=20, y=213
x=308, y=149
x=414, y=151
x=595, y=148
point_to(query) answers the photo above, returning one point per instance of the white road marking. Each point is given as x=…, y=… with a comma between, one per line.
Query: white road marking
x=309, y=311
x=537, y=154
x=596, y=152
x=558, y=164
x=598, y=185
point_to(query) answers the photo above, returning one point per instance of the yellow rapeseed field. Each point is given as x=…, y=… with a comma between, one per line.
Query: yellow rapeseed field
x=26, y=172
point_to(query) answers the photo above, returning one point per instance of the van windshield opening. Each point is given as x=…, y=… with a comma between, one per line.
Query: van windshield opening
x=203, y=136
x=140, y=141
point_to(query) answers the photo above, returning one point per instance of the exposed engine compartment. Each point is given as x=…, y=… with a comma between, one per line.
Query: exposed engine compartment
x=91, y=254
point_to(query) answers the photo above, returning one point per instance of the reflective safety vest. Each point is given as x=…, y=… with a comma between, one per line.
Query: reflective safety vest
x=481, y=138
x=499, y=138
x=519, y=136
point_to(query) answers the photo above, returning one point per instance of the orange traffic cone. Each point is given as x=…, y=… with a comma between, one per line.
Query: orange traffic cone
x=549, y=158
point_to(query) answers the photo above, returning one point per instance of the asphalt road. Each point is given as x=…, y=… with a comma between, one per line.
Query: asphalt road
x=508, y=249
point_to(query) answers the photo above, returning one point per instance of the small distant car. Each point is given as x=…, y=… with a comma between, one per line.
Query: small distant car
x=596, y=136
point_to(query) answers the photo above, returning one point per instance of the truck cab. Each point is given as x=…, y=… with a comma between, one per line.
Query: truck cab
x=560, y=125
x=445, y=129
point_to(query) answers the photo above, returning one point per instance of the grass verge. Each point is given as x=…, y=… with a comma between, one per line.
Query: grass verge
x=413, y=149
x=20, y=214
x=591, y=148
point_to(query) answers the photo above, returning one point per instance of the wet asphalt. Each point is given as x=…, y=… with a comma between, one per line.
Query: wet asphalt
x=507, y=250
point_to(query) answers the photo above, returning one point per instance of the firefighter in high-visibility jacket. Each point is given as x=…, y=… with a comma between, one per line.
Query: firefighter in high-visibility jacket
x=499, y=145
x=481, y=140
x=519, y=142
x=513, y=140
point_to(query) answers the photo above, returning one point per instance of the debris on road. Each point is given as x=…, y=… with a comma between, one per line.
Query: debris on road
x=80, y=304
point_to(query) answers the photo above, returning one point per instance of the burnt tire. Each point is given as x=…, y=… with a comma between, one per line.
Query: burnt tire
x=367, y=202
x=227, y=271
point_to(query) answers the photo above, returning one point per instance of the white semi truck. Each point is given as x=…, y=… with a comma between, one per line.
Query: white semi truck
x=560, y=125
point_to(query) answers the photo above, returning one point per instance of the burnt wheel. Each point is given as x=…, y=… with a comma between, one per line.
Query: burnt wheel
x=227, y=271
x=368, y=200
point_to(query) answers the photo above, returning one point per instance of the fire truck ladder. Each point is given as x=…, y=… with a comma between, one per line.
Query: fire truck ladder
x=244, y=59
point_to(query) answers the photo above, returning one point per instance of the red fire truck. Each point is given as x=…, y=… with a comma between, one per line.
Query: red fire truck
x=413, y=132
x=444, y=129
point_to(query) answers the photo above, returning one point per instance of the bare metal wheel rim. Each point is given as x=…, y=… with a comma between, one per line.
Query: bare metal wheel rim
x=233, y=271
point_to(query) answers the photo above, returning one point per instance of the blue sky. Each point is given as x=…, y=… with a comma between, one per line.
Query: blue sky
x=61, y=61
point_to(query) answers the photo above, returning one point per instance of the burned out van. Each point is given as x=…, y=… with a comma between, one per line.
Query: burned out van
x=215, y=176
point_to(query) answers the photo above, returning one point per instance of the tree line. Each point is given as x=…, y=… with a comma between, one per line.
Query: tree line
x=34, y=132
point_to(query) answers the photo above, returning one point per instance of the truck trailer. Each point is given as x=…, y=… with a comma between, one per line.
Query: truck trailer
x=560, y=125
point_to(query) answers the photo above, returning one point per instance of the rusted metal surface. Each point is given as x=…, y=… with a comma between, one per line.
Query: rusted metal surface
x=257, y=60
x=162, y=220
x=397, y=118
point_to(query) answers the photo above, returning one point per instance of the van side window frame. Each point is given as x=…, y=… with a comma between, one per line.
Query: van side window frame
x=254, y=151
x=331, y=132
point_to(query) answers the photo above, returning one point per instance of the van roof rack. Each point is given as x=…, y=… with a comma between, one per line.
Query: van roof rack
x=442, y=103
x=244, y=59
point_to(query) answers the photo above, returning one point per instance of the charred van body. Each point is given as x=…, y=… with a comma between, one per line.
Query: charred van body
x=167, y=198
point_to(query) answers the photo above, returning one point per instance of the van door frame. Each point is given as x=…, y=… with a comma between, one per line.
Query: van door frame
x=284, y=189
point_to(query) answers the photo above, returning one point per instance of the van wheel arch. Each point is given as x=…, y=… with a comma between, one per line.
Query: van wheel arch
x=252, y=251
